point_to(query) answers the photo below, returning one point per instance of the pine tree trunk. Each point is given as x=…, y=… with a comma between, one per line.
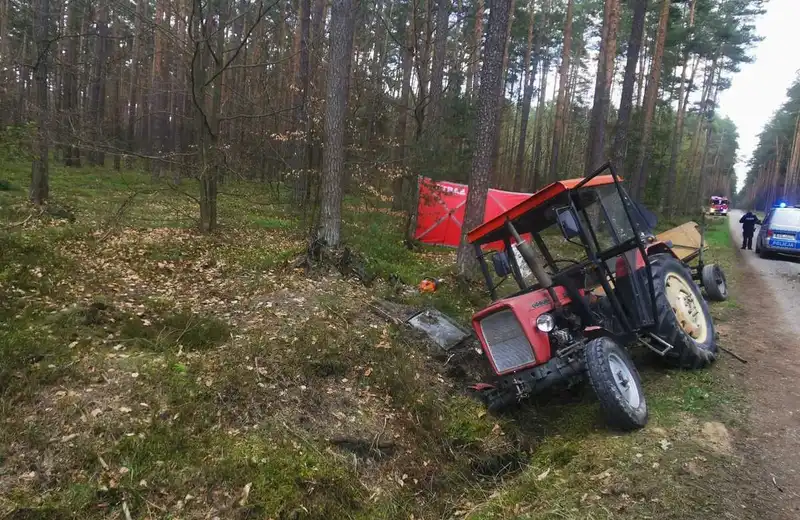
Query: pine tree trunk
x=540, y=124
x=677, y=139
x=477, y=42
x=40, y=187
x=398, y=200
x=489, y=98
x=496, y=165
x=72, y=154
x=299, y=160
x=98, y=90
x=620, y=147
x=437, y=72
x=158, y=87
x=563, y=81
x=595, y=147
x=342, y=25
x=134, y=94
x=793, y=171
x=529, y=68
x=640, y=78
x=651, y=93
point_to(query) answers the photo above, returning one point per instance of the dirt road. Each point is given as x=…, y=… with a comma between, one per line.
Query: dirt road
x=768, y=335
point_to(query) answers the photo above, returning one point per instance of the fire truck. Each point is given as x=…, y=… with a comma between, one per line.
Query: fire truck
x=718, y=206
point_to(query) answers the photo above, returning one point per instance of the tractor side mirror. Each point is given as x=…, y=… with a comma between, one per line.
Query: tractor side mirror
x=650, y=219
x=568, y=223
x=502, y=267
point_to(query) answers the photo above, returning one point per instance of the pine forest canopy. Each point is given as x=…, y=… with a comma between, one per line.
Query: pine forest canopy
x=329, y=97
x=774, y=174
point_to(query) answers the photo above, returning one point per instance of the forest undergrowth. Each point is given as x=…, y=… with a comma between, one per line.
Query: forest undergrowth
x=148, y=371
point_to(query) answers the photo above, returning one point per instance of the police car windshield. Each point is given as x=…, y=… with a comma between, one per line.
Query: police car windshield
x=789, y=217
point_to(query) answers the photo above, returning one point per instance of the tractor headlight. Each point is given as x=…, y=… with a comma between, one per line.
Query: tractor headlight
x=545, y=322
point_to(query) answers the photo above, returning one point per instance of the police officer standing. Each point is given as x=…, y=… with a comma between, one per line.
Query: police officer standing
x=748, y=222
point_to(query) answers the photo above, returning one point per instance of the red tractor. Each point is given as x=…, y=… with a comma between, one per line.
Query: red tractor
x=591, y=280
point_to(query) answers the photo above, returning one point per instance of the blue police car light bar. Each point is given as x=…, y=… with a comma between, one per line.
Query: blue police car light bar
x=782, y=205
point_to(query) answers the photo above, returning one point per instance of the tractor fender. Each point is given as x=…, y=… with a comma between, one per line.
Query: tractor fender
x=660, y=247
x=595, y=331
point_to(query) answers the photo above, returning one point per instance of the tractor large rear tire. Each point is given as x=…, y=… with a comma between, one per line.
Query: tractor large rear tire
x=616, y=382
x=683, y=319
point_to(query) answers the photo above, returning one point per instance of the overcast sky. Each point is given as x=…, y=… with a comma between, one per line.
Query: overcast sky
x=760, y=88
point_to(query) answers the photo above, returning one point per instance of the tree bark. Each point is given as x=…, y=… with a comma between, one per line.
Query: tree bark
x=342, y=22
x=39, y=189
x=489, y=98
x=651, y=93
x=620, y=146
x=595, y=146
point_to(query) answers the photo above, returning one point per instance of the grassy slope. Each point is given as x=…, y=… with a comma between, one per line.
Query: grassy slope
x=195, y=376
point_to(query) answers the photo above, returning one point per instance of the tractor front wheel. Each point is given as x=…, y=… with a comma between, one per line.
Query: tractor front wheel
x=616, y=382
x=683, y=319
x=714, y=282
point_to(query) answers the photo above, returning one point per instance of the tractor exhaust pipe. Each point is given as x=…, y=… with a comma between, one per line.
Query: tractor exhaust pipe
x=526, y=250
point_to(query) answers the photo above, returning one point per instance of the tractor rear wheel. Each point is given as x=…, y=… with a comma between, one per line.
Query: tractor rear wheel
x=714, y=283
x=683, y=318
x=616, y=382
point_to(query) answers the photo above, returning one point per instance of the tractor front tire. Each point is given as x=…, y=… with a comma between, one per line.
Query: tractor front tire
x=616, y=382
x=714, y=283
x=683, y=319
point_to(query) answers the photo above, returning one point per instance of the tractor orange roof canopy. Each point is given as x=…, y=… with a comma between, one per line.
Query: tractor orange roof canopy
x=536, y=200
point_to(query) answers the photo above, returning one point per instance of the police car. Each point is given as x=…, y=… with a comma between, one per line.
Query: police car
x=780, y=231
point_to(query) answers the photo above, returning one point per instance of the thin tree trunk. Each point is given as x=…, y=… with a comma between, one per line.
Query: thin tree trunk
x=72, y=154
x=496, y=166
x=640, y=78
x=563, y=80
x=491, y=91
x=98, y=91
x=529, y=67
x=793, y=171
x=134, y=98
x=651, y=93
x=398, y=201
x=40, y=187
x=620, y=146
x=299, y=161
x=477, y=42
x=595, y=147
x=342, y=25
x=677, y=140
x=437, y=72
x=540, y=124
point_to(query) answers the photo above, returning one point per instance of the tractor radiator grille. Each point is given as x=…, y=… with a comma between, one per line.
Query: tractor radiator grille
x=505, y=341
